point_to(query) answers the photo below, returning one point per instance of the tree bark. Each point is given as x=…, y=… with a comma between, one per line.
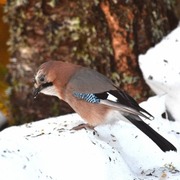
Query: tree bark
x=106, y=35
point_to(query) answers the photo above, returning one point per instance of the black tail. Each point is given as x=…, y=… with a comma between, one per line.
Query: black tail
x=163, y=144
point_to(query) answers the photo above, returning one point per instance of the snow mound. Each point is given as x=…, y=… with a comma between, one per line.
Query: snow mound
x=161, y=70
x=49, y=149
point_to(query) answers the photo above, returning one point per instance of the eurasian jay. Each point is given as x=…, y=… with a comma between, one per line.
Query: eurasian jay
x=93, y=96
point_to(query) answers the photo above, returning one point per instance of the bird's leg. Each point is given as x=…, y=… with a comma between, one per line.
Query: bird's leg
x=85, y=126
x=82, y=126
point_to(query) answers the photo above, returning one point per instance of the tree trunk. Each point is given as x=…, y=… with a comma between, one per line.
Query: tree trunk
x=105, y=35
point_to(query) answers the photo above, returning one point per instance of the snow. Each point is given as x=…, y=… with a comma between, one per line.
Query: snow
x=50, y=149
x=161, y=65
x=161, y=70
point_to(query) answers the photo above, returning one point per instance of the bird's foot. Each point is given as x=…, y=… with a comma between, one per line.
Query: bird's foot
x=82, y=126
x=86, y=127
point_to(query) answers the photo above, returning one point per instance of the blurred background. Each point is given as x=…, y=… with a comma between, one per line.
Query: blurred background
x=106, y=35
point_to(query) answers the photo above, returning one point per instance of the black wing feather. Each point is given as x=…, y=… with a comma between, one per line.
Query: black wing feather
x=125, y=102
x=128, y=101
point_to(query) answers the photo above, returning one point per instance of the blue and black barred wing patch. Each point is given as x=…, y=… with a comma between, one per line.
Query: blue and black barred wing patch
x=91, y=98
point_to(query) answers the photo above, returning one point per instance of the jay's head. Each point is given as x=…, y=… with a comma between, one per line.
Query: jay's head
x=52, y=77
x=45, y=79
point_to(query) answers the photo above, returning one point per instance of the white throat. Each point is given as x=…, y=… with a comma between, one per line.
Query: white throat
x=51, y=91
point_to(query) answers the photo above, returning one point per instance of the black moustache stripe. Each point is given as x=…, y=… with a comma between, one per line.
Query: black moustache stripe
x=45, y=85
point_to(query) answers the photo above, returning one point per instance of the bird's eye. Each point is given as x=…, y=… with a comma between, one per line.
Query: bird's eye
x=42, y=79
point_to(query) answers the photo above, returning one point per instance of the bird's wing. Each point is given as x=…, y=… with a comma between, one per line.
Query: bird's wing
x=87, y=80
x=93, y=87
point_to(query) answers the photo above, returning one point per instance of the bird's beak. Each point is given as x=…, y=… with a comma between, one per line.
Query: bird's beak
x=37, y=89
x=35, y=92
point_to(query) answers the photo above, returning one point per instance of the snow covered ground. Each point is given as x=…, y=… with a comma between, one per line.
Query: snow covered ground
x=49, y=149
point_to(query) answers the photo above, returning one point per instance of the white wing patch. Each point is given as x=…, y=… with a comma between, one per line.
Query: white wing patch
x=111, y=97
